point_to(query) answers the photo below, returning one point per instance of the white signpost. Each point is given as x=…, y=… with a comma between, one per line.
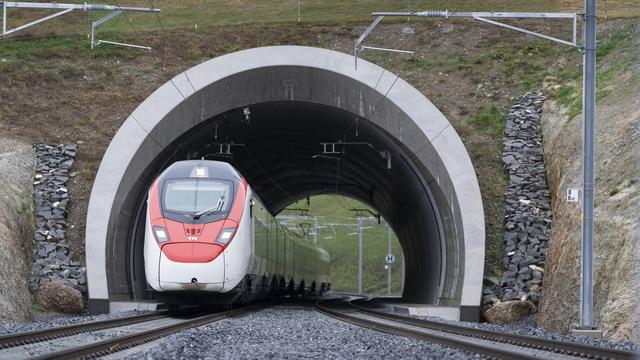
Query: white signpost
x=390, y=259
x=572, y=195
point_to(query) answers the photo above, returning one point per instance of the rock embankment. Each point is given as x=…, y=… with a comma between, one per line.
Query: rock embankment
x=16, y=228
x=528, y=207
x=616, y=246
x=617, y=219
x=51, y=257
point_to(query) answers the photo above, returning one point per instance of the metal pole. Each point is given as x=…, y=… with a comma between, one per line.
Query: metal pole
x=298, y=10
x=359, y=256
x=574, y=33
x=588, y=160
x=315, y=233
x=389, y=265
x=4, y=18
x=402, y=274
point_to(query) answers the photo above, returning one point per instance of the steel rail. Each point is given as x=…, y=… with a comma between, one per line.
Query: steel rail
x=30, y=337
x=468, y=346
x=561, y=347
x=113, y=345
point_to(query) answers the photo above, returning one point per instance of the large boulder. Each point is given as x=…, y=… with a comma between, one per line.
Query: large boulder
x=60, y=298
x=508, y=311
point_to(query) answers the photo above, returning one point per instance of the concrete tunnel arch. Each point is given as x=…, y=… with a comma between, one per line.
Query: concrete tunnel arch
x=299, y=97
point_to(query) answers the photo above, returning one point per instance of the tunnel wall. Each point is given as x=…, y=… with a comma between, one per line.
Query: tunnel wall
x=291, y=73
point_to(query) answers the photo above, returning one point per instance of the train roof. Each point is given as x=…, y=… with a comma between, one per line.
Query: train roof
x=201, y=169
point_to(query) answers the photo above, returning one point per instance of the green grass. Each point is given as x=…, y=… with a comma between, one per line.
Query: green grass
x=201, y=15
x=419, y=64
x=63, y=47
x=341, y=241
x=616, y=40
x=614, y=190
x=37, y=308
x=570, y=97
x=524, y=65
x=616, y=54
x=490, y=118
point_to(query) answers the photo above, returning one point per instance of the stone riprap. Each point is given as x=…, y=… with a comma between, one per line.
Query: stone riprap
x=528, y=206
x=51, y=260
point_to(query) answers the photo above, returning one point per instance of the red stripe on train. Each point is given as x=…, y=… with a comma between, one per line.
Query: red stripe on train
x=191, y=252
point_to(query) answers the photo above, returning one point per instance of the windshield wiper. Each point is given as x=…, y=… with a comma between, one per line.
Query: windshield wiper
x=215, y=209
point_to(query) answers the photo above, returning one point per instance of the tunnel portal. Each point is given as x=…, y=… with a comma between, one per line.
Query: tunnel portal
x=298, y=121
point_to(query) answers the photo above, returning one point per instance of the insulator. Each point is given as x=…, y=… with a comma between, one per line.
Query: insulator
x=433, y=13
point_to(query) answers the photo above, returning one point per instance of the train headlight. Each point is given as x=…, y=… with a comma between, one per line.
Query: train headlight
x=160, y=234
x=225, y=236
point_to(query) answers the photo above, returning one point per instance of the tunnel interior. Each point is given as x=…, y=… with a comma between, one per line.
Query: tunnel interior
x=289, y=150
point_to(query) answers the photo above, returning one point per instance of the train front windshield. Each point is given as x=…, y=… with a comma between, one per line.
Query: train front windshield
x=197, y=196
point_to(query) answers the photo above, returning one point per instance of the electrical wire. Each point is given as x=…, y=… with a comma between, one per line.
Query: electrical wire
x=126, y=17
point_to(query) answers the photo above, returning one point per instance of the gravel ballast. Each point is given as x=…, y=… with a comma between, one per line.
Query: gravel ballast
x=292, y=331
x=528, y=327
x=48, y=320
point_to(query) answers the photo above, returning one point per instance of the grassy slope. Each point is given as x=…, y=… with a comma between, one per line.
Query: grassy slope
x=484, y=73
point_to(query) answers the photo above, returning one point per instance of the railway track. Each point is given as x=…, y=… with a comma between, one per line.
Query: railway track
x=142, y=329
x=493, y=344
x=31, y=337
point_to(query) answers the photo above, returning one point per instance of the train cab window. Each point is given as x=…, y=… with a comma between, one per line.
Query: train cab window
x=197, y=196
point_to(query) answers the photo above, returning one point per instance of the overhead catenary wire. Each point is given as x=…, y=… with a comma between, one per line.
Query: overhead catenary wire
x=126, y=17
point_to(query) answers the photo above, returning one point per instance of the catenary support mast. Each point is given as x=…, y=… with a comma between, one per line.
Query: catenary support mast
x=588, y=162
x=588, y=49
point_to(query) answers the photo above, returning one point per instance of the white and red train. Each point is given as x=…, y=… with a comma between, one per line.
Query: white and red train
x=209, y=239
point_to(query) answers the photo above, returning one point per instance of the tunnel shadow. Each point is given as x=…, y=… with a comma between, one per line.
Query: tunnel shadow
x=290, y=150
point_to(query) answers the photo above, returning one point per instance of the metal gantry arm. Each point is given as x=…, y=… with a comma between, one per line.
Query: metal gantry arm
x=479, y=16
x=543, y=36
x=35, y=22
x=66, y=8
x=108, y=17
x=360, y=39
